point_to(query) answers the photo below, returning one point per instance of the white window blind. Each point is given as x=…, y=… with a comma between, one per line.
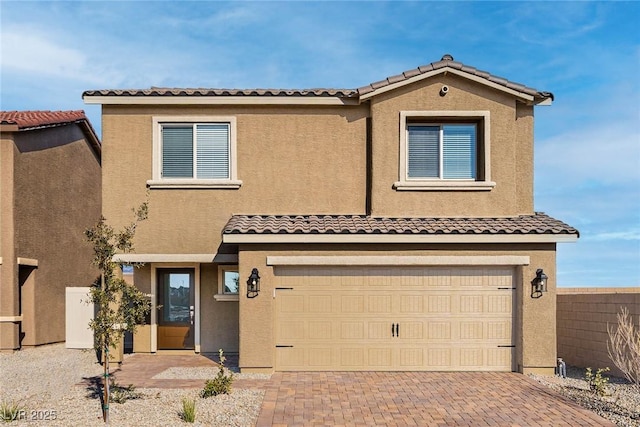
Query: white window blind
x=213, y=151
x=177, y=152
x=424, y=151
x=196, y=151
x=441, y=151
x=459, y=142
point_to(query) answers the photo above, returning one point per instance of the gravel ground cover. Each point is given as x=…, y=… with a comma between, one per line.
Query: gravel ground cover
x=621, y=404
x=47, y=382
x=203, y=373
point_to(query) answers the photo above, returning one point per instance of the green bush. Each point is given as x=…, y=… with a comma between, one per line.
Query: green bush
x=11, y=411
x=597, y=382
x=188, y=413
x=221, y=384
x=120, y=394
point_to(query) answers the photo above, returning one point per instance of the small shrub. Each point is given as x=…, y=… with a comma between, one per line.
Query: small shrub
x=188, y=413
x=221, y=384
x=597, y=382
x=624, y=346
x=120, y=394
x=11, y=411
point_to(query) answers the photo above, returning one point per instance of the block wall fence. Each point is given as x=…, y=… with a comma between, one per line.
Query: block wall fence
x=582, y=318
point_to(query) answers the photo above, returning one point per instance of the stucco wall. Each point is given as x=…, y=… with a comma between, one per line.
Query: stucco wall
x=312, y=160
x=8, y=268
x=511, y=146
x=300, y=160
x=56, y=197
x=583, y=316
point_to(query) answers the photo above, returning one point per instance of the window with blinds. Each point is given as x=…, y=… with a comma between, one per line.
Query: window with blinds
x=199, y=151
x=442, y=151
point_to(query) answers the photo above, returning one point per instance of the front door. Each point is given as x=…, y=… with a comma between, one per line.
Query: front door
x=176, y=308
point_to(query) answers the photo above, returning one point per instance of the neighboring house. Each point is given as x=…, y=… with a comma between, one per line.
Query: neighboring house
x=392, y=227
x=50, y=193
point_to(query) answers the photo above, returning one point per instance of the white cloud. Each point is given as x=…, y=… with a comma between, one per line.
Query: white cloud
x=26, y=51
x=606, y=152
x=632, y=234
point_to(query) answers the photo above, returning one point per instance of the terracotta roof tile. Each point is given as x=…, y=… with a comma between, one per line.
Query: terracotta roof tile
x=446, y=61
x=35, y=119
x=539, y=223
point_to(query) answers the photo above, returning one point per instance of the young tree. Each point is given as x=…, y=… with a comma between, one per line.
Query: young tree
x=120, y=307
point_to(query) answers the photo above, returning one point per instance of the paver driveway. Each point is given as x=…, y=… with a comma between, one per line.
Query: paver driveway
x=416, y=399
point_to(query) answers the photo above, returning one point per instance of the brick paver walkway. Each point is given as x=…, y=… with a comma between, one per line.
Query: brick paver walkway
x=383, y=398
x=416, y=399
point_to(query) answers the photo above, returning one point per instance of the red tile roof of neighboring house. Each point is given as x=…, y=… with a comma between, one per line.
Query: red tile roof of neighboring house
x=539, y=223
x=31, y=120
x=37, y=119
x=446, y=61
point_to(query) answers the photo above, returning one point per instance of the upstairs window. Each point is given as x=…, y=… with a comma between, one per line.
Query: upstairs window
x=442, y=151
x=194, y=151
x=198, y=151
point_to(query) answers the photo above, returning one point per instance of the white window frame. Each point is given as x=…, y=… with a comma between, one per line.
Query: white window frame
x=222, y=295
x=435, y=184
x=158, y=181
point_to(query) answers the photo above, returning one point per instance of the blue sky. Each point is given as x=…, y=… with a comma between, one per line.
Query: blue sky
x=587, y=143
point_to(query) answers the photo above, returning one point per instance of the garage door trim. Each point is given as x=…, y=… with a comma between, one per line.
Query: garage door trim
x=497, y=260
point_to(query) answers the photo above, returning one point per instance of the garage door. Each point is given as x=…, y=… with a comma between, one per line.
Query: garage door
x=394, y=318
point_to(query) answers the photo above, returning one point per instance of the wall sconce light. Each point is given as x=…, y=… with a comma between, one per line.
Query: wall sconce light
x=539, y=284
x=253, y=284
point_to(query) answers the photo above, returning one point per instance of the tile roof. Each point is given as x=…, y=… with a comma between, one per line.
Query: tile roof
x=539, y=223
x=159, y=91
x=36, y=119
x=446, y=61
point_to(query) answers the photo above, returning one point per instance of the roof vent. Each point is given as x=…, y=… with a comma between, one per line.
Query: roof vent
x=447, y=57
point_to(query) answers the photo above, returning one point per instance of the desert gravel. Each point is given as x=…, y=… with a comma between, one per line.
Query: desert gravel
x=620, y=405
x=48, y=380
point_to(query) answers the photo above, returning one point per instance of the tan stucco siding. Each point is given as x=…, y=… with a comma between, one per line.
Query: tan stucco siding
x=8, y=269
x=507, y=139
x=218, y=319
x=291, y=161
x=57, y=197
x=524, y=158
x=535, y=317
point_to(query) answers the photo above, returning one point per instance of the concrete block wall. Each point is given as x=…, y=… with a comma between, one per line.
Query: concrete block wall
x=582, y=318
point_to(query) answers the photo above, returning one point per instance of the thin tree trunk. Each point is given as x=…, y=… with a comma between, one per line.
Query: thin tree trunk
x=105, y=403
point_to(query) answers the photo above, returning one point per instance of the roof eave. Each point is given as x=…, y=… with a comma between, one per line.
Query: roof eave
x=526, y=97
x=217, y=100
x=397, y=238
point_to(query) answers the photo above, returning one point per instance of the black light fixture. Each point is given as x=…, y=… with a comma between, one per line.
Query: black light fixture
x=539, y=283
x=253, y=284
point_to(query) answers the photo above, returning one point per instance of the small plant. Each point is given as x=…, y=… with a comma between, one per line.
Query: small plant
x=624, y=346
x=597, y=382
x=188, y=413
x=120, y=394
x=221, y=384
x=11, y=411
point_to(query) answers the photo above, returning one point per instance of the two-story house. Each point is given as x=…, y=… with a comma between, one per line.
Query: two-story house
x=389, y=227
x=50, y=189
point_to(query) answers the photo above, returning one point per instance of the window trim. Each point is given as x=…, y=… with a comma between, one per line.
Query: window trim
x=221, y=295
x=158, y=182
x=435, y=184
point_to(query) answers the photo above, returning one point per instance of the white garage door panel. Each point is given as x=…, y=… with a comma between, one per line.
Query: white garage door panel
x=389, y=318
